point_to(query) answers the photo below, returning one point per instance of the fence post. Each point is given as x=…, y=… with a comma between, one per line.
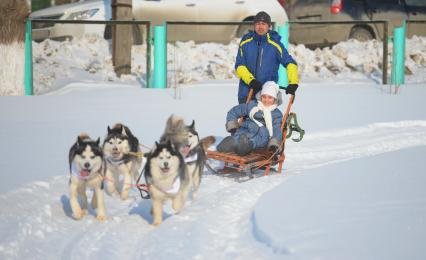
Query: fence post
x=28, y=78
x=148, y=55
x=398, y=56
x=404, y=28
x=283, y=31
x=386, y=40
x=122, y=37
x=160, y=56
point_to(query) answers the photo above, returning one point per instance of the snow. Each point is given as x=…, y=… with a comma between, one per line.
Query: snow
x=352, y=189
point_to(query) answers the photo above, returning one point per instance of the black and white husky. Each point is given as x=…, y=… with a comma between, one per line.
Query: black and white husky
x=195, y=159
x=120, y=149
x=86, y=171
x=167, y=178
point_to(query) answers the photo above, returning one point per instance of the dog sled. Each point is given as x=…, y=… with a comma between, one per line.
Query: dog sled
x=260, y=159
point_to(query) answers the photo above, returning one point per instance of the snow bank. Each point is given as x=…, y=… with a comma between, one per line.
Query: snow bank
x=355, y=214
x=57, y=64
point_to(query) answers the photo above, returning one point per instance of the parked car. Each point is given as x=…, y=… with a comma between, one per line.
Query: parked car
x=85, y=10
x=159, y=11
x=353, y=10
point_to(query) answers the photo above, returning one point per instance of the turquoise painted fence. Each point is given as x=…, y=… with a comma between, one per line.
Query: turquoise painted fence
x=160, y=57
x=28, y=74
x=398, y=56
x=283, y=31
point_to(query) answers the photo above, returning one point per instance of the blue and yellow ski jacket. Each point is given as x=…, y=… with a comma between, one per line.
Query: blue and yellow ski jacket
x=259, y=58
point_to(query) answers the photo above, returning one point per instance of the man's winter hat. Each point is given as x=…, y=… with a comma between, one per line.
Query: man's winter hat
x=262, y=17
x=270, y=88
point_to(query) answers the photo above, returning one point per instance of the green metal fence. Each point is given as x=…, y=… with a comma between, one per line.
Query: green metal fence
x=28, y=44
x=384, y=23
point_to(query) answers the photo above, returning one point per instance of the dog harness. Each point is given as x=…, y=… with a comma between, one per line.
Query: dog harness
x=173, y=190
x=111, y=160
x=191, y=158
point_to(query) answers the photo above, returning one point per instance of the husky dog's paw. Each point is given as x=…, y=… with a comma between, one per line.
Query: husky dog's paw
x=114, y=194
x=101, y=218
x=194, y=195
x=77, y=215
x=84, y=212
x=124, y=196
x=156, y=223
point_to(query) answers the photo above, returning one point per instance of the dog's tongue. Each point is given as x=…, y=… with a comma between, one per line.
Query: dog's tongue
x=84, y=173
x=185, y=150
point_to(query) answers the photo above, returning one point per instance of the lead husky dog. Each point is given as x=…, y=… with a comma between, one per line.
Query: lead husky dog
x=86, y=171
x=167, y=177
x=119, y=149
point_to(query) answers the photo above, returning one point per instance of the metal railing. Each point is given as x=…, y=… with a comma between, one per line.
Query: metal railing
x=385, y=24
x=415, y=21
x=112, y=22
x=147, y=24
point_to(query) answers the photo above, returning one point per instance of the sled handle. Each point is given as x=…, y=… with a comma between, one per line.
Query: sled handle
x=290, y=102
x=250, y=95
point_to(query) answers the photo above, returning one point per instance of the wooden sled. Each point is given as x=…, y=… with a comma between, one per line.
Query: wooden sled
x=260, y=158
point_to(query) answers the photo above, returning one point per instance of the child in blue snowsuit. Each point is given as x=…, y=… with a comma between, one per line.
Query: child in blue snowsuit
x=262, y=124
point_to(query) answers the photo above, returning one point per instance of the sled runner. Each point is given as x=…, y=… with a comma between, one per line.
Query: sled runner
x=260, y=158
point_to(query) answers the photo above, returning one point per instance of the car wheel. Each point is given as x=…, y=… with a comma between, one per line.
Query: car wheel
x=108, y=32
x=136, y=34
x=243, y=29
x=361, y=34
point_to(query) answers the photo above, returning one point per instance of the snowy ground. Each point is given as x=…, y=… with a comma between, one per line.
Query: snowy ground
x=352, y=189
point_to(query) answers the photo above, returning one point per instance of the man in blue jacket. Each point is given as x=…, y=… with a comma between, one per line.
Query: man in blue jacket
x=259, y=56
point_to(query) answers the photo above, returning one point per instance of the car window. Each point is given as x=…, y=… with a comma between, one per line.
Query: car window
x=416, y=3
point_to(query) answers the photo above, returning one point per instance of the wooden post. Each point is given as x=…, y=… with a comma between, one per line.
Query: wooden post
x=121, y=37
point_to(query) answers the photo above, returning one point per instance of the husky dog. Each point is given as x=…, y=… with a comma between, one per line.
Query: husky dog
x=195, y=157
x=167, y=177
x=86, y=170
x=119, y=148
x=176, y=132
x=186, y=140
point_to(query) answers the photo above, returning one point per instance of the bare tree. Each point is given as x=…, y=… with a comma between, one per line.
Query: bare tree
x=12, y=20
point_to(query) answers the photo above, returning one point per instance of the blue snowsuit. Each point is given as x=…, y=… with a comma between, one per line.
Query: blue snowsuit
x=259, y=57
x=258, y=135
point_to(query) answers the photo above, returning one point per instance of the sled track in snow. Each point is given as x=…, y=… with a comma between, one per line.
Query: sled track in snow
x=323, y=148
x=221, y=212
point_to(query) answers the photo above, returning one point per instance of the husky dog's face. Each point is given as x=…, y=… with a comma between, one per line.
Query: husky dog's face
x=116, y=147
x=116, y=144
x=166, y=159
x=193, y=138
x=88, y=157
